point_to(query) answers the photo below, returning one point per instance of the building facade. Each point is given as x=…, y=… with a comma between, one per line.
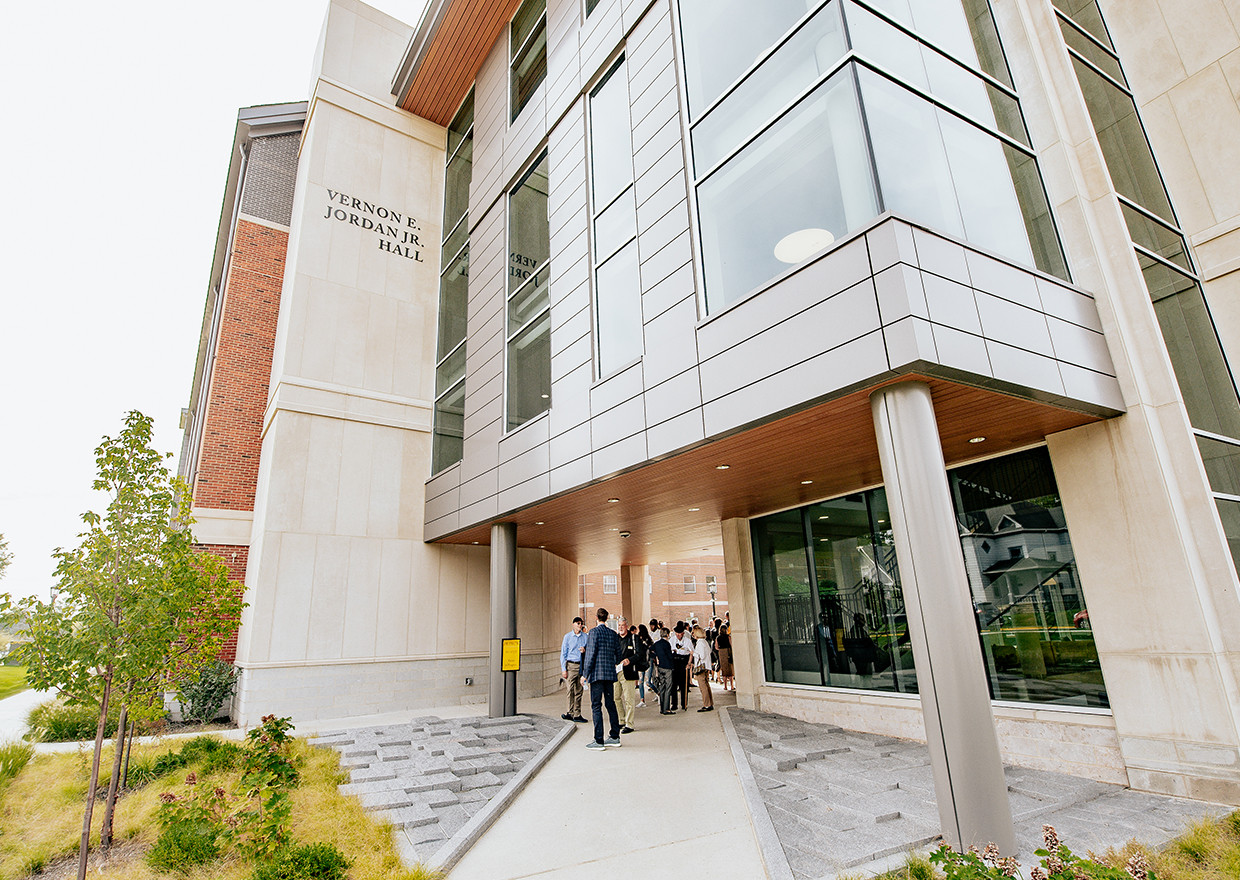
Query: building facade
x=920, y=315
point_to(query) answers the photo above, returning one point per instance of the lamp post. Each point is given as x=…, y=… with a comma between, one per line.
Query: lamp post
x=712, y=589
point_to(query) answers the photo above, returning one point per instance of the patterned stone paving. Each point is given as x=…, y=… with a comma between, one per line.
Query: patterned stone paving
x=840, y=799
x=430, y=776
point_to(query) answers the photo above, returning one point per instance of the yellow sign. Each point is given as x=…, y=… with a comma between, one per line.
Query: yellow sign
x=510, y=658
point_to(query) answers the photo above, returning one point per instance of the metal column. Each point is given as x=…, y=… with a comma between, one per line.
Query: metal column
x=964, y=749
x=503, y=685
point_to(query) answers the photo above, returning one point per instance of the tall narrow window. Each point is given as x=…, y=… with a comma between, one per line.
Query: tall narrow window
x=610, y=584
x=527, y=48
x=529, y=302
x=448, y=432
x=617, y=289
x=690, y=583
x=1201, y=369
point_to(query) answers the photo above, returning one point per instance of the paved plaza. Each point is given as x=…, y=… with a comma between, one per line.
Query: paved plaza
x=841, y=800
x=440, y=782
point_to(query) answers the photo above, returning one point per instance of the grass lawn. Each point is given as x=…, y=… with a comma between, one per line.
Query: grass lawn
x=41, y=820
x=12, y=680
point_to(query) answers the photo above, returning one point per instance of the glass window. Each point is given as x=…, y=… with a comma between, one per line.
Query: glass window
x=805, y=182
x=617, y=283
x=814, y=49
x=690, y=583
x=447, y=431
x=610, y=584
x=1123, y=143
x=1229, y=513
x=1197, y=358
x=723, y=38
x=831, y=607
x=830, y=602
x=448, y=437
x=1222, y=461
x=529, y=302
x=1031, y=614
x=619, y=311
x=528, y=52
x=778, y=184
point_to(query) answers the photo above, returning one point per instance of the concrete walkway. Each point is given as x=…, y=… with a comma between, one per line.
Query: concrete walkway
x=13, y=712
x=669, y=797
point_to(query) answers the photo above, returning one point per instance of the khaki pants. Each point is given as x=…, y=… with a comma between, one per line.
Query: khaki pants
x=574, y=688
x=703, y=683
x=626, y=701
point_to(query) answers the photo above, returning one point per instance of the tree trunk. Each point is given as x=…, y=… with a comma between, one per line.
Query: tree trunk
x=84, y=848
x=109, y=808
x=128, y=751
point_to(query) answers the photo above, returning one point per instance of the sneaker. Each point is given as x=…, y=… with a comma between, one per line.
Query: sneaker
x=666, y=713
x=641, y=704
x=579, y=719
x=626, y=730
x=614, y=743
x=567, y=717
x=595, y=746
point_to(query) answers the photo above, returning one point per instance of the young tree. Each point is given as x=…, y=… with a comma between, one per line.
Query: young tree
x=137, y=604
x=5, y=556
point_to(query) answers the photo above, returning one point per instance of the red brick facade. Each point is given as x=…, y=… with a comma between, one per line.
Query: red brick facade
x=672, y=598
x=235, y=557
x=228, y=463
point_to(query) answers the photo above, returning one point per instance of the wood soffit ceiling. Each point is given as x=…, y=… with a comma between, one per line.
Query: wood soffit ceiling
x=832, y=444
x=450, y=59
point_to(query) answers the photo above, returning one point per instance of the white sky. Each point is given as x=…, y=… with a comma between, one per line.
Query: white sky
x=115, y=134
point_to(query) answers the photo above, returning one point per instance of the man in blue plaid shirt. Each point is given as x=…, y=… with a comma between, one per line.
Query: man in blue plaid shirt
x=598, y=670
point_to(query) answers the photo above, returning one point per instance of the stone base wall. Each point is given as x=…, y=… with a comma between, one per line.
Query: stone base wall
x=339, y=690
x=1081, y=743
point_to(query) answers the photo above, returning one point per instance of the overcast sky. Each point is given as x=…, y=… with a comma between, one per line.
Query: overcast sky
x=118, y=119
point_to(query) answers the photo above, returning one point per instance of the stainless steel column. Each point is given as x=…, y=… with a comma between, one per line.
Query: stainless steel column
x=502, y=690
x=955, y=700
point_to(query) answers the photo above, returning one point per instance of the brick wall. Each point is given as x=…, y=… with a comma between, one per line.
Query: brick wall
x=236, y=557
x=228, y=462
x=669, y=600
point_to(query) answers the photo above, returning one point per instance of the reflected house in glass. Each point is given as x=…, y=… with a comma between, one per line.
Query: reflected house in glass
x=920, y=314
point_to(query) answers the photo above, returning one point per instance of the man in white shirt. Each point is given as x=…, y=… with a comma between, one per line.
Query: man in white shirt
x=682, y=649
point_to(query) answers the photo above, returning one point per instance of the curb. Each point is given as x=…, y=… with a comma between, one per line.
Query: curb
x=446, y=857
x=772, y=851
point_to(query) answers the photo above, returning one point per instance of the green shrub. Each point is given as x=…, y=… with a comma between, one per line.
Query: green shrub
x=202, y=696
x=209, y=754
x=315, y=861
x=13, y=757
x=182, y=844
x=60, y=722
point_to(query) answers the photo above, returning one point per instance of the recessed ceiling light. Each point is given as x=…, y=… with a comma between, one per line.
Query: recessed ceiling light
x=882, y=520
x=613, y=500
x=977, y=439
x=475, y=542
x=722, y=467
x=694, y=509
x=540, y=523
x=546, y=396
x=806, y=482
x=613, y=530
x=824, y=516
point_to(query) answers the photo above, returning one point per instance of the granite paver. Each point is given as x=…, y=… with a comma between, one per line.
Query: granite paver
x=430, y=776
x=841, y=799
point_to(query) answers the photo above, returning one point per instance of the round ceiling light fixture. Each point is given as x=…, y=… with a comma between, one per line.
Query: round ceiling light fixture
x=797, y=247
x=613, y=500
x=806, y=482
x=977, y=439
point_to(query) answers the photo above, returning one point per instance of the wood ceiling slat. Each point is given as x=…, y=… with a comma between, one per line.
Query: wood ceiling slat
x=832, y=443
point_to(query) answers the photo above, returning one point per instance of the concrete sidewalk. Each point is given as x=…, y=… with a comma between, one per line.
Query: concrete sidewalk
x=670, y=793
x=13, y=712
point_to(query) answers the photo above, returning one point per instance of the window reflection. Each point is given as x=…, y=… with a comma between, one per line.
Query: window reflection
x=832, y=610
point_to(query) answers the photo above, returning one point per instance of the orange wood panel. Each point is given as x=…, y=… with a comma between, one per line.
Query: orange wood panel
x=450, y=62
x=831, y=444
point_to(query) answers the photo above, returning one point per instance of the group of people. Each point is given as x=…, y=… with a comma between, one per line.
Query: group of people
x=619, y=664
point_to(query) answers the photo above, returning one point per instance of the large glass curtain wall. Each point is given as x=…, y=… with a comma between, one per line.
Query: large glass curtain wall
x=1201, y=369
x=528, y=311
x=448, y=431
x=832, y=609
x=805, y=125
x=617, y=289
